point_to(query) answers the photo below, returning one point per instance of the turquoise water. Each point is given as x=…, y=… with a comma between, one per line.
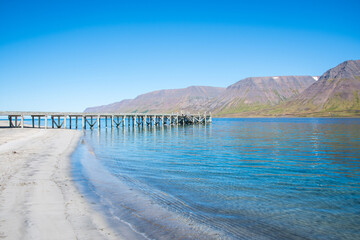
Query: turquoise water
x=234, y=179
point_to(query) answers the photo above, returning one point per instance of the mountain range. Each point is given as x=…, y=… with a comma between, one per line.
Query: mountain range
x=188, y=99
x=335, y=93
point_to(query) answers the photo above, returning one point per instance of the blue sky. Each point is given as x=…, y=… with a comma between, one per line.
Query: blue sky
x=68, y=55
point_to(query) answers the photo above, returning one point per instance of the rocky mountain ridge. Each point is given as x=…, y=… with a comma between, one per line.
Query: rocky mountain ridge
x=337, y=90
x=335, y=93
x=260, y=92
x=190, y=99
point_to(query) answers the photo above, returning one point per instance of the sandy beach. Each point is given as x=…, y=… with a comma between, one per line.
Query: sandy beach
x=38, y=199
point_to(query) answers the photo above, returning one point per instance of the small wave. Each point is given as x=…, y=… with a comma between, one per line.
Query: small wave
x=125, y=205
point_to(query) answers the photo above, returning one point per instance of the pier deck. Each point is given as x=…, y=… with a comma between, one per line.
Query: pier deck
x=91, y=120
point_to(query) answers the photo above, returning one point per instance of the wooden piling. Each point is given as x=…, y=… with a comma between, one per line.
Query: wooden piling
x=134, y=120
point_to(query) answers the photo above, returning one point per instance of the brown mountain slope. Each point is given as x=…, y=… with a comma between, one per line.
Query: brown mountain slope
x=335, y=93
x=191, y=99
x=257, y=93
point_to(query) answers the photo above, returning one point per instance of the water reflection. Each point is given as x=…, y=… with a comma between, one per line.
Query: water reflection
x=271, y=178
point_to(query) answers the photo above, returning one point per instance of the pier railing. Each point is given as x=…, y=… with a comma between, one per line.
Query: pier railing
x=91, y=120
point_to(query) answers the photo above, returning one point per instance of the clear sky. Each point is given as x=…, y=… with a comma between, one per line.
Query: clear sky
x=69, y=55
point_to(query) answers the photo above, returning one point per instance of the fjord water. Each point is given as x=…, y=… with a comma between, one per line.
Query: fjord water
x=291, y=178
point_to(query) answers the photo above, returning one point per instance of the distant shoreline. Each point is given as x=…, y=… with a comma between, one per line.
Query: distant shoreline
x=4, y=122
x=214, y=117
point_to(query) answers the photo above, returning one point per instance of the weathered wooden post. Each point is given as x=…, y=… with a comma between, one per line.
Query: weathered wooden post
x=65, y=121
x=46, y=116
x=76, y=122
x=22, y=121
x=123, y=122
x=33, y=121
x=70, y=120
x=84, y=122
x=112, y=119
x=98, y=118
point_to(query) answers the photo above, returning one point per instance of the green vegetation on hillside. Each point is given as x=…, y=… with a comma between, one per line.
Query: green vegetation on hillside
x=334, y=107
x=242, y=107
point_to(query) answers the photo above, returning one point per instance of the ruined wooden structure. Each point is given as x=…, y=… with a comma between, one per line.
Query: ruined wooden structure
x=97, y=120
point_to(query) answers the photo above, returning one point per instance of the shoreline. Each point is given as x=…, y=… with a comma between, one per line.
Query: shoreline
x=38, y=197
x=256, y=117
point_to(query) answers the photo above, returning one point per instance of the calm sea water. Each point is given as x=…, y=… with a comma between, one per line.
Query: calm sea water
x=233, y=179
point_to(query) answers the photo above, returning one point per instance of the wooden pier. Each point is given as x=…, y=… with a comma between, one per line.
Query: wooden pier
x=71, y=120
